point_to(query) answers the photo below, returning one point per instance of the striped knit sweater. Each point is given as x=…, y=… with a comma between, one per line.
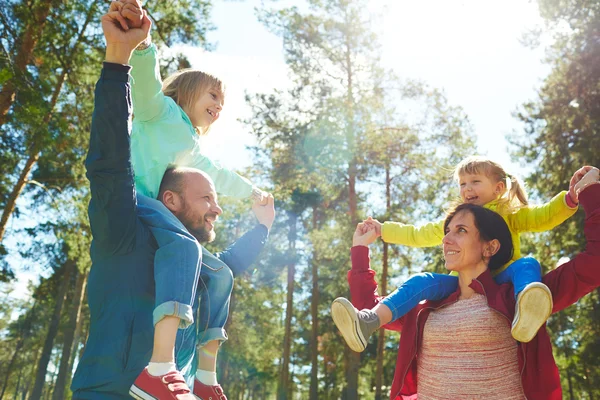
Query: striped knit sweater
x=468, y=353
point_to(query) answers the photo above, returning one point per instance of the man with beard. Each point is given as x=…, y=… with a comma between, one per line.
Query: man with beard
x=121, y=286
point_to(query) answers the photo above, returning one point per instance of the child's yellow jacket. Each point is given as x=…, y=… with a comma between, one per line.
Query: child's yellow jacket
x=527, y=219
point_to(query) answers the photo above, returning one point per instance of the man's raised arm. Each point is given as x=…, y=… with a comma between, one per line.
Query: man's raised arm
x=112, y=207
x=108, y=163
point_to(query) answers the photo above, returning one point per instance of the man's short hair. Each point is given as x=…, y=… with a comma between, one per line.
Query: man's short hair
x=172, y=180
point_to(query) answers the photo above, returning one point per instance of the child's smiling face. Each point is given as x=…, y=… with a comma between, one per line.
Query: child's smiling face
x=478, y=189
x=207, y=109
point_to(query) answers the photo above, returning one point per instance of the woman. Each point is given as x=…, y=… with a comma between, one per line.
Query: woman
x=461, y=347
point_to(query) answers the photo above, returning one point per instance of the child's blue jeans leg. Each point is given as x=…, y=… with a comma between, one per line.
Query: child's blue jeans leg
x=424, y=286
x=215, y=287
x=521, y=273
x=177, y=262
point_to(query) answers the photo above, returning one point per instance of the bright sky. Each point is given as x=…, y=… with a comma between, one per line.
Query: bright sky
x=468, y=48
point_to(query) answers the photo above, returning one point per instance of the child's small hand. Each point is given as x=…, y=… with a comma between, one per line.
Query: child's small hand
x=591, y=176
x=265, y=212
x=373, y=223
x=261, y=196
x=364, y=235
x=575, y=185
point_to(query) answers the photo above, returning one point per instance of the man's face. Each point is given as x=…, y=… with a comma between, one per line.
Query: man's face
x=198, y=208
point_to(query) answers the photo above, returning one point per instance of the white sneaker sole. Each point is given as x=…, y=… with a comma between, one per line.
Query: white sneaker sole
x=139, y=394
x=345, y=318
x=534, y=306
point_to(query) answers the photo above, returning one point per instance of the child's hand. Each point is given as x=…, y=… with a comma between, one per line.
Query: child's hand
x=265, y=213
x=364, y=235
x=373, y=223
x=591, y=176
x=574, y=188
x=120, y=39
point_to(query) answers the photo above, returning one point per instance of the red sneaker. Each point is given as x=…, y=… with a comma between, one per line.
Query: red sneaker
x=205, y=392
x=170, y=386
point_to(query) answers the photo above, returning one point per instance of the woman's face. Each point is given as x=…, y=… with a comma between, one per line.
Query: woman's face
x=463, y=247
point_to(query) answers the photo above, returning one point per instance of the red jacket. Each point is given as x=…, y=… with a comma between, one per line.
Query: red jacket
x=539, y=374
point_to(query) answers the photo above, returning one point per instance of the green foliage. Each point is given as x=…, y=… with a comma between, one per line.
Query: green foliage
x=562, y=128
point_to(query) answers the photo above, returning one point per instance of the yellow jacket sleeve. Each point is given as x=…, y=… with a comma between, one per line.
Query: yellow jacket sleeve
x=428, y=235
x=543, y=217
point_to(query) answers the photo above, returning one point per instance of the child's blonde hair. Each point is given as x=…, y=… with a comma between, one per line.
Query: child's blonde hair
x=187, y=85
x=514, y=196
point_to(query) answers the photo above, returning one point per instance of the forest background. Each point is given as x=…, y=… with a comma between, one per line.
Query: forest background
x=346, y=108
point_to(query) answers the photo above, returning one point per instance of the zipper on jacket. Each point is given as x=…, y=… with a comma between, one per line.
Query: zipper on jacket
x=510, y=323
x=417, y=339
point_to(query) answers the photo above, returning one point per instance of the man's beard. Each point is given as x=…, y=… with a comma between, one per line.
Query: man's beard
x=202, y=234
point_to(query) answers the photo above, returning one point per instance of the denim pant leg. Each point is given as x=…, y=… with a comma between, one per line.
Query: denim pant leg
x=521, y=273
x=424, y=286
x=177, y=262
x=215, y=287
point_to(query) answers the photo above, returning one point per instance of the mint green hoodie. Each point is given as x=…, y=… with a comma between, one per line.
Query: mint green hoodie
x=163, y=134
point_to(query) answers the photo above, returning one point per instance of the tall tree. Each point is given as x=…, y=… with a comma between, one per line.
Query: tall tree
x=562, y=126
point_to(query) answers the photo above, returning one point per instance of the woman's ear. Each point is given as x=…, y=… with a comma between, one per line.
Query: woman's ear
x=491, y=248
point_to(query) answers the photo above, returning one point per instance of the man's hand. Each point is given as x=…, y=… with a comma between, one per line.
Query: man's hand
x=265, y=213
x=364, y=235
x=120, y=39
x=575, y=185
x=373, y=223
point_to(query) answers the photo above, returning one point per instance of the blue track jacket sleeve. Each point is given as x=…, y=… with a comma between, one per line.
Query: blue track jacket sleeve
x=112, y=209
x=241, y=254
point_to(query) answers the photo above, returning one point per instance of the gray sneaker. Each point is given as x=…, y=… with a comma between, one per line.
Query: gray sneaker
x=355, y=326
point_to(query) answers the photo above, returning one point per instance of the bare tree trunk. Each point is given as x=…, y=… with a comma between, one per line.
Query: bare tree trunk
x=384, y=277
x=282, y=390
x=20, y=343
x=64, y=373
x=34, y=152
x=31, y=35
x=16, y=394
x=352, y=358
x=314, y=311
x=42, y=367
x=16, y=353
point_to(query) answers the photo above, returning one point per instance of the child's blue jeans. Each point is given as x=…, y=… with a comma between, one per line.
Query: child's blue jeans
x=429, y=286
x=177, y=262
x=211, y=309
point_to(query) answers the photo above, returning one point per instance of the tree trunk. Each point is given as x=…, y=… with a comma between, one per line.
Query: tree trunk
x=384, y=276
x=20, y=343
x=16, y=394
x=64, y=373
x=16, y=353
x=314, y=311
x=352, y=358
x=42, y=367
x=34, y=153
x=31, y=35
x=282, y=390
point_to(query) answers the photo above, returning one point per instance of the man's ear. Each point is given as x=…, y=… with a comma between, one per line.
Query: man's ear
x=171, y=200
x=491, y=248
